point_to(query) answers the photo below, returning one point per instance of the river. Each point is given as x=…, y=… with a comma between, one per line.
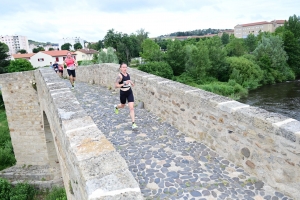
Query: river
x=283, y=98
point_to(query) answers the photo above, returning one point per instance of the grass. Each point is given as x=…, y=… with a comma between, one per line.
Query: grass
x=7, y=157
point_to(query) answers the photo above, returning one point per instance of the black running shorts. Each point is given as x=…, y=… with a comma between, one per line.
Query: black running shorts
x=126, y=95
x=71, y=72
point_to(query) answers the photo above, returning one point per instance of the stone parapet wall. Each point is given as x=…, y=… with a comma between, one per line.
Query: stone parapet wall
x=91, y=167
x=266, y=145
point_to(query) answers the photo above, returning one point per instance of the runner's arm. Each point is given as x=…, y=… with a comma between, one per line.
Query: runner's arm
x=118, y=79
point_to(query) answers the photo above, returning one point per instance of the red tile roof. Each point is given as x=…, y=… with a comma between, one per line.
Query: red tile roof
x=26, y=55
x=261, y=23
x=58, y=53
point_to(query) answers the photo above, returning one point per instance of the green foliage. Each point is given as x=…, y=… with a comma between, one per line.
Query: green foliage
x=126, y=46
x=151, y=51
x=107, y=57
x=77, y=46
x=36, y=50
x=197, y=62
x=236, y=47
x=86, y=62
x=225, y=38
x=272, y=59
x=293, y=25
x=19, y=65
x=217, y=54
x=96, y=45
x=4, y=62
x=230, y=89
x=22, y=51
x=7, y=157
x=245, y=72
x=22, y=191
x=162, y=69
x=174, y=57
x=25, y=191
x=66, y=46
x=51, y=49
x=5, y=188
x=57, y=194
x=251, y=42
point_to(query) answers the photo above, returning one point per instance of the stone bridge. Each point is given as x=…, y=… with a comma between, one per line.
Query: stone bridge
x=190, y=144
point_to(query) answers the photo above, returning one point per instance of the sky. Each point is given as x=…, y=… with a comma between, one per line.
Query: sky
x=52, y=20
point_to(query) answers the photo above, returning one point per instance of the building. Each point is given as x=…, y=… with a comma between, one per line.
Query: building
x=72, y=41
x=43, y=58
x=85, y=54
x=26, y=56
x=243, y=30
x=15, y=43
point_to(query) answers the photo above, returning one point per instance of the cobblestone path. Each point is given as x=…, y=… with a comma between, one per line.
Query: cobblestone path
x=166, y=163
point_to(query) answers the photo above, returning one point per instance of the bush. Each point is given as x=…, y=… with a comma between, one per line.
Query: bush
x=19, y=65
x=245, y=72
x=57, y=194
x=162, y=69
x=5, y=188
x=230, y=89
x=22, y=191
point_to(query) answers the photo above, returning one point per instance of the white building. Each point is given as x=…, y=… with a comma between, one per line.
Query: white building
x=72, y=41
x=43, y=58
x=15, y=43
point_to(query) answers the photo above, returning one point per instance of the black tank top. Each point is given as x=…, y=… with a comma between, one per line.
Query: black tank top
x=125, y=78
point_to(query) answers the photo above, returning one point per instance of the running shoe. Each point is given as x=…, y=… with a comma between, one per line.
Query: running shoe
x=116, y=109
x=134, y=126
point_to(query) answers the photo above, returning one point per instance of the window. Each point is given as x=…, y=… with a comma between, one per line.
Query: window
x=40, y=59
x=56, y=59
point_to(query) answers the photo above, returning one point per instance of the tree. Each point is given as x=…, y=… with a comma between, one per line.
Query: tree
x=162, y=69
x=292, y=48
x=111, y=39
x=251, y=42
x=197, y=61
x=51, y=49
x=272, y=59
x=245, y=72
x=36, y=50
x=293, y=25
x=22, y=51
x=236, y=47
x=19, y=65
x=225, y=38
x=107, y=57
x=4, y=62
x=175, y=57
x=66, y=46
x=217, y=54
x=151, y=51
x=77, y=46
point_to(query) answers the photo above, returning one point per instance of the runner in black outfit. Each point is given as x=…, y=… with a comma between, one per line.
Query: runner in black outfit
x=124, y=83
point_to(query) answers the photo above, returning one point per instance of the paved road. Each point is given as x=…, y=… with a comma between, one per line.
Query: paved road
x=166, y=163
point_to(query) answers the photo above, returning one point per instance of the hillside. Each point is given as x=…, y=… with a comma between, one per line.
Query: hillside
x=197, y=32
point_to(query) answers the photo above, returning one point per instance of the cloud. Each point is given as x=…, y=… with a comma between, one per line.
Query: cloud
x=91, y=19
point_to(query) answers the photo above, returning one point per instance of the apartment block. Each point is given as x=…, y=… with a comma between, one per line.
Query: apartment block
x=243, y=30
x=15, y=43
x=72, y=41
